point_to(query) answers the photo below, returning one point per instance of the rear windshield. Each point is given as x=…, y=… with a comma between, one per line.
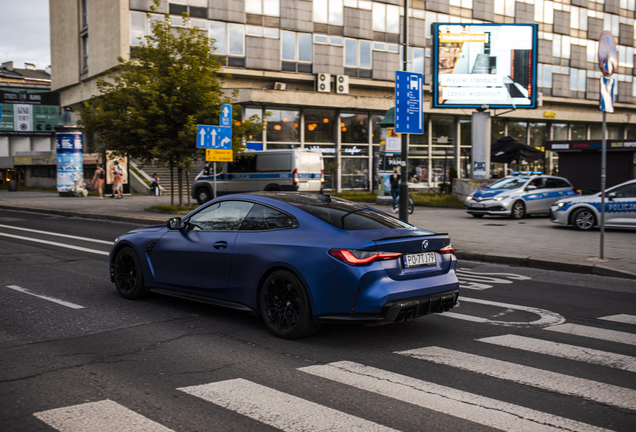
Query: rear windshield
x=509, y=183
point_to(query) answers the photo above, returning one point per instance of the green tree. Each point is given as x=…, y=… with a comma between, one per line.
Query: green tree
x=150, y=105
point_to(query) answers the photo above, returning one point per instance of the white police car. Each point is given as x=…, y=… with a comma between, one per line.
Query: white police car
x=518, y=195
x=584, y=212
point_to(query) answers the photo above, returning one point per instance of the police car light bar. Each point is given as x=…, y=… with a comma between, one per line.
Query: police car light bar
x=527, y=172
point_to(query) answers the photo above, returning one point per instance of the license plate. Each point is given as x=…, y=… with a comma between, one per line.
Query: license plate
x=475, y=205
x=420, y=259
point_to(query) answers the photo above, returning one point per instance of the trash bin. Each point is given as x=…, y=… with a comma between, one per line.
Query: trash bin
x=12, y=186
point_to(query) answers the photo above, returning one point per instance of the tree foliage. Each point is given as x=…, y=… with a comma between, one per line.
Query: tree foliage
x=149, y=106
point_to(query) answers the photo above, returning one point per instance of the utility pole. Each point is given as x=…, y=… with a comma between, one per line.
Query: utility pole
x=404, y=174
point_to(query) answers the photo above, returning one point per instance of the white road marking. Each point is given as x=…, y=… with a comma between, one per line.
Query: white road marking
x=479, y=281
x=278, y=409
x=546, y=318
x=592, y=390
x=79, y=248
x=51, y=299
x=570, y=352
x=58, y=235
x=622, y=318
x=479, y=409
x=105, y=415
x=595, y=333
x=513, y=276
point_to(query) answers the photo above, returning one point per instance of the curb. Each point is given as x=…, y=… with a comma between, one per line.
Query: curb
x=86, y=215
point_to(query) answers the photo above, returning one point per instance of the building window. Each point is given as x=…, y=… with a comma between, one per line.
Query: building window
x=386, y=18
x=578, y=78
x=195, y=8
x=561, y=48
x=84, y=13
x=85, y=52
x=544, y=78
x=229, y=39
x=320, y=126
x=263, y=7
x=258, y=112
x=283, y=126
x=357, y=58
x=137, y=28
x=296, y=51
x=329, y=12
x=354, y=128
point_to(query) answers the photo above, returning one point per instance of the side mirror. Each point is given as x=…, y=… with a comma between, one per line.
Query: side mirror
x=531, y=187
x=611, y=195
x=174, y=223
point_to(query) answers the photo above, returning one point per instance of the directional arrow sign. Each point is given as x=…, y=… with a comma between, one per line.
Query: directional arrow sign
x=226, y=115
x=215, y=137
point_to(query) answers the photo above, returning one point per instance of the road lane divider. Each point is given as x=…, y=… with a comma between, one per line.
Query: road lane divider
x=457, y=403
x=621, y=318
x=595, y=333
x=62, y=245
x=280, y=410
x=606, y=394
x=57, y=234
x=51, y=299
x=104, y=415
x=561, y=350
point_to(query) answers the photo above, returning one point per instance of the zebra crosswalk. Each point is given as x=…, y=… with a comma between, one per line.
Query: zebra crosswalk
x=289, y=412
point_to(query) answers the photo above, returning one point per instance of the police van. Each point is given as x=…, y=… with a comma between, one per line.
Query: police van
x=268, y=170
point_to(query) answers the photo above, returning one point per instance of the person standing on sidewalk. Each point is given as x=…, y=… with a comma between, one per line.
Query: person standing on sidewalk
x=98, y=180
x=395, y=188
x=117, y=186
x=154, y=185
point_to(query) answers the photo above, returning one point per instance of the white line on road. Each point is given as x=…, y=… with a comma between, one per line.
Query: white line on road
x=595, y=333
x=592, y=390
x=570, y=352
x=51, y=299
x=546, y=318
x=479, y=409
x=58, y=235
x=79, y=248
x=105, y=415
x=277, y=409
x=622, y=318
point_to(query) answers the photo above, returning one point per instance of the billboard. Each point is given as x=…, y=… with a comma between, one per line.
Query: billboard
x=28, y=112
x=479, y=65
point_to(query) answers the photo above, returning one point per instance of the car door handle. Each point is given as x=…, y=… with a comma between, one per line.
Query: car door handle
x=220, y=245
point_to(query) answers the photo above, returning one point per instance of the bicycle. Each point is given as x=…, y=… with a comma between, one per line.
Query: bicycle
x=410, y=206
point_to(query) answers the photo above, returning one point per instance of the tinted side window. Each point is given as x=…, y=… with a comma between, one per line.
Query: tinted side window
x=222, y=216
x=354, y=218
x=538, y=182
x=626, y=191
x=266, y=218
x=563, y=183
x=551, y=183
x=244, y=164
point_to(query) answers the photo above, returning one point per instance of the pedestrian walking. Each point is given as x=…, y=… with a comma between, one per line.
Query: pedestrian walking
x=154, y=185
x=117, y=186
x=98, y=180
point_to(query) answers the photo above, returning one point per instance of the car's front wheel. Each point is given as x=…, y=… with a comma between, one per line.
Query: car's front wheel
x=518, y=210
x=203, y=195
x=129, y=277
x=284, y=306
x=583, y=220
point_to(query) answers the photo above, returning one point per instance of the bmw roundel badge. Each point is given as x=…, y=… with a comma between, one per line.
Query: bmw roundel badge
x=424, y=244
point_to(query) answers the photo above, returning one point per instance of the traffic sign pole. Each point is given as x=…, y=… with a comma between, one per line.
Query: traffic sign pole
x=603, y=153
x=404, y=174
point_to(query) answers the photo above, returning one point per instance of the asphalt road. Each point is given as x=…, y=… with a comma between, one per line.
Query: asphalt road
x=526, y=349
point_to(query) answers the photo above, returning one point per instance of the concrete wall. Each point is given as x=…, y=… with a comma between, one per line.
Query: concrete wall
x=227, y=10
x=524, y=13
x=561, y=22
x=262, y=53
x=297, y=15
x=65, y=49
x=385, y=64
x=358, y=23
x=545, y=51
x=561, y=85
x=578, y=57
x=484, y=10
x=329, y=59
x=4, y=146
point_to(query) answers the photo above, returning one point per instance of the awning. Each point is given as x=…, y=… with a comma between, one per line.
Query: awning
x=509, y=149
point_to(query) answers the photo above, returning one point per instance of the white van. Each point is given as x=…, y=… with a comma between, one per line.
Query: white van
x=268, y=170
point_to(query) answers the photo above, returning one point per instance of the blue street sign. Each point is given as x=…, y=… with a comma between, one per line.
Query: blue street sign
x=409, y=117
x=607, y=94
x=214, y=137
x=226, y=115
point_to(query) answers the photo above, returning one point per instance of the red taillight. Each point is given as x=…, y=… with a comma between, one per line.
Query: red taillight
x=322, y=176
x=578, y=192
x=447, y=250
x=362, y=258
x=295, y=178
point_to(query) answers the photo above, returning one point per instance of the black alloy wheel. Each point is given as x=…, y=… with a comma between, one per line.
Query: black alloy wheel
x=284, y=306
x=583, y=220
x=518, y=210
x=129, y=278
x=203, y=195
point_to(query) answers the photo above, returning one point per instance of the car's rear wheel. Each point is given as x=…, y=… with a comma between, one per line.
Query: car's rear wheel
x=518, y=210
x=202, y=195
x=478, y=216
x=129, y=278
x=284, y=306
x=583, y=220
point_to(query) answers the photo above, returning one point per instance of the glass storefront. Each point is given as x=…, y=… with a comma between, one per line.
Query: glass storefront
x=354, y=128
x=283, y=126
x=320, y=126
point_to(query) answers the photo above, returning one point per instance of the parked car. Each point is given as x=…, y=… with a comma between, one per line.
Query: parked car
x=584, y=212
x=519, y=195
x=269, y=170
x=295, y=259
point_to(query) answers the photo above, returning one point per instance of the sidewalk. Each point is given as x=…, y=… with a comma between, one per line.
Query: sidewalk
x=532, y=242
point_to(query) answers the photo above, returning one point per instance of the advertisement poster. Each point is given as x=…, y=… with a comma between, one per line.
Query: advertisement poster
x=113, y=163
x=28, y=112
x=390, y=141
x=70, y=168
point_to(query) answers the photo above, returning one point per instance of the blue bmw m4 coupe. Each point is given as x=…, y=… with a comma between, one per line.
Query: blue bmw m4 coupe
x=295, y=259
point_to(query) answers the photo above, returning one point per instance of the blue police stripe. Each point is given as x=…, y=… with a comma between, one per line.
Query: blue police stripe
x=285, y=175
x=610, y=207
x=546, y=195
